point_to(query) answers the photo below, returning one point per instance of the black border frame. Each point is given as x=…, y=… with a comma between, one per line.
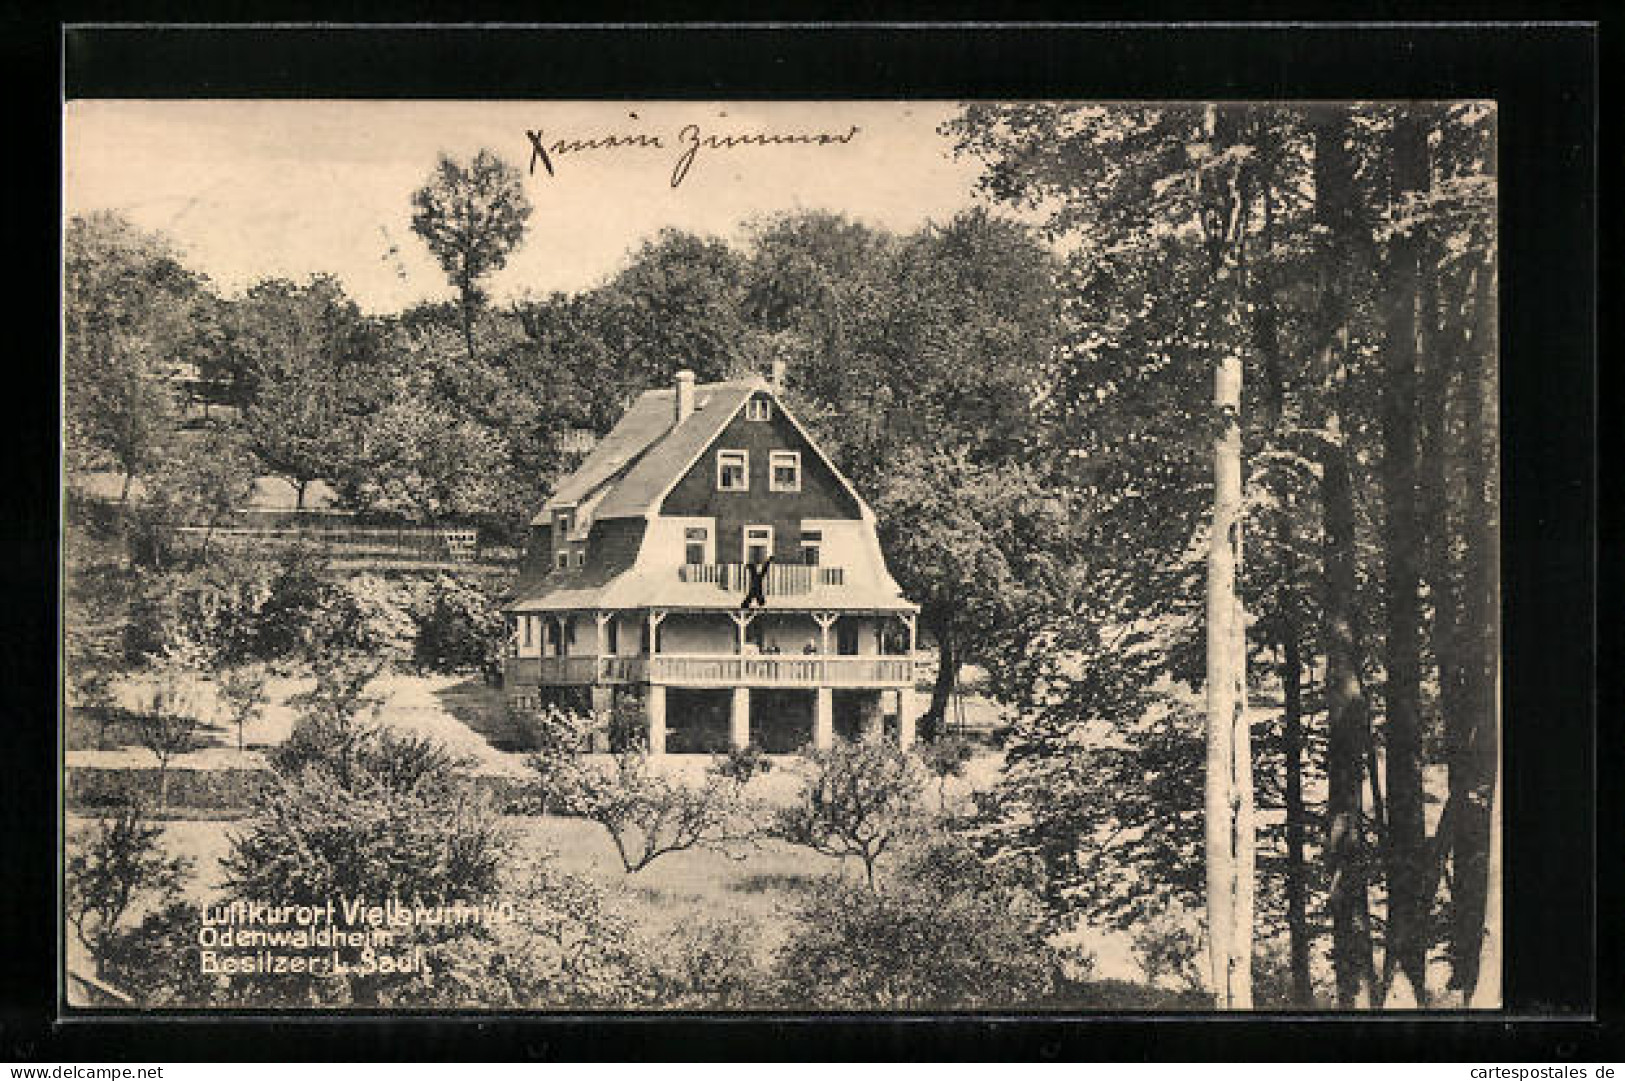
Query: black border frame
x=1545, y=78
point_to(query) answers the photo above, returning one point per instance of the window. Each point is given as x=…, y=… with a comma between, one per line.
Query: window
x=733, y=471
x=562, y=559
x=525, y=622
x=784, y=474
x=612, y=636
x=580, y=557
x=758, y=543
x=812, y=544
x=565, y=520
x=696, y=541
x=758, y=409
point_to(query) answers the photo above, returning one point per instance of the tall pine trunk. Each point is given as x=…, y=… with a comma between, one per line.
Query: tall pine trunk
x=1405, y=960
x=1346, y=720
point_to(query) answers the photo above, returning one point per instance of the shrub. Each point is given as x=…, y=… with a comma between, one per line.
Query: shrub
x=711, y=964
x=553, y=731
x=111, y=867
x=297, y=590
x=856, y=799
x=947, y=931
x=1168, y=947
x=460, y=628
x=566, y=947
x=360, y=811
x=741, y=764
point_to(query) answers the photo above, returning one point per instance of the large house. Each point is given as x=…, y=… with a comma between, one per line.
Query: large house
x=711, y=573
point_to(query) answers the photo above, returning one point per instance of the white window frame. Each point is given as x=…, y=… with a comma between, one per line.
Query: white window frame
x=774, y=458
x=561, y=559
x=707, y=551
x=744, y=540
x=579, y=558
x=812, y=539
x=759, y=409
x=743, y=457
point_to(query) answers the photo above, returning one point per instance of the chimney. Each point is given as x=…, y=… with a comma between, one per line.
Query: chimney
x=778, y=377
x=685, y=396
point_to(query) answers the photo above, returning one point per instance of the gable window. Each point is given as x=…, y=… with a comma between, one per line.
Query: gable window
x=784, y=471
x=564, y=521
x=758, y=543
x=812, y=545
x=733, y=471
x=696, y=542
x=758, y=409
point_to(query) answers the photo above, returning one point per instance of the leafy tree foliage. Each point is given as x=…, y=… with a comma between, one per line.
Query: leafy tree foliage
x=315, y=371
x=113, y=867
x=947, y=931
x=471, y=217
x=856, y=799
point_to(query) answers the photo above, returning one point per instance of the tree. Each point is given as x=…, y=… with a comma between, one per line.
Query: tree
x=646, y=816
x=1320, y=313
x=316, y=369
x=471, y=217
x=127, y=311
x=111, y=868
x=243, y=691
x=981, y=548
x=856, y=799
x=1225, y=182
x=946, y=758
x=167, y=718
x=204, y=483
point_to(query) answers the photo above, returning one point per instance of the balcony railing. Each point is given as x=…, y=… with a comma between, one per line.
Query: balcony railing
x=757, y=671
x=783, y=579
x=714, y=670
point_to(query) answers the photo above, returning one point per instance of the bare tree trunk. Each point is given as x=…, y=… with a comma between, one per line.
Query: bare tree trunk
x=1346, y=723
x=1408, y=908
x=1475, y=885
x=1229, y=767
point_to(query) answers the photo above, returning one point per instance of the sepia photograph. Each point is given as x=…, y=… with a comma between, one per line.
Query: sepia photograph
x=822, y=556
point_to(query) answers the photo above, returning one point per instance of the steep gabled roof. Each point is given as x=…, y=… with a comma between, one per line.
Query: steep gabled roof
x=647, y=451
x=643, y=457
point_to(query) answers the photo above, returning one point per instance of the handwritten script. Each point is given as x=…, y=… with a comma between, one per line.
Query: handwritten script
x=545, y=151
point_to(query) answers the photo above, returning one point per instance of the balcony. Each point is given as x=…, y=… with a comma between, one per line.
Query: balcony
x=783, y=579
x=713, y=670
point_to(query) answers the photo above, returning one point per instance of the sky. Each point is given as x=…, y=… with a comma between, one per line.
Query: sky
x=254, y=189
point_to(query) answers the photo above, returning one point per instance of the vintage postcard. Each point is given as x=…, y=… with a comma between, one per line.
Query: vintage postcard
x=780, y=556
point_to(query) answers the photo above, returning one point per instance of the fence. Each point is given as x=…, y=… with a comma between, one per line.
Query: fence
x=433, y=543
